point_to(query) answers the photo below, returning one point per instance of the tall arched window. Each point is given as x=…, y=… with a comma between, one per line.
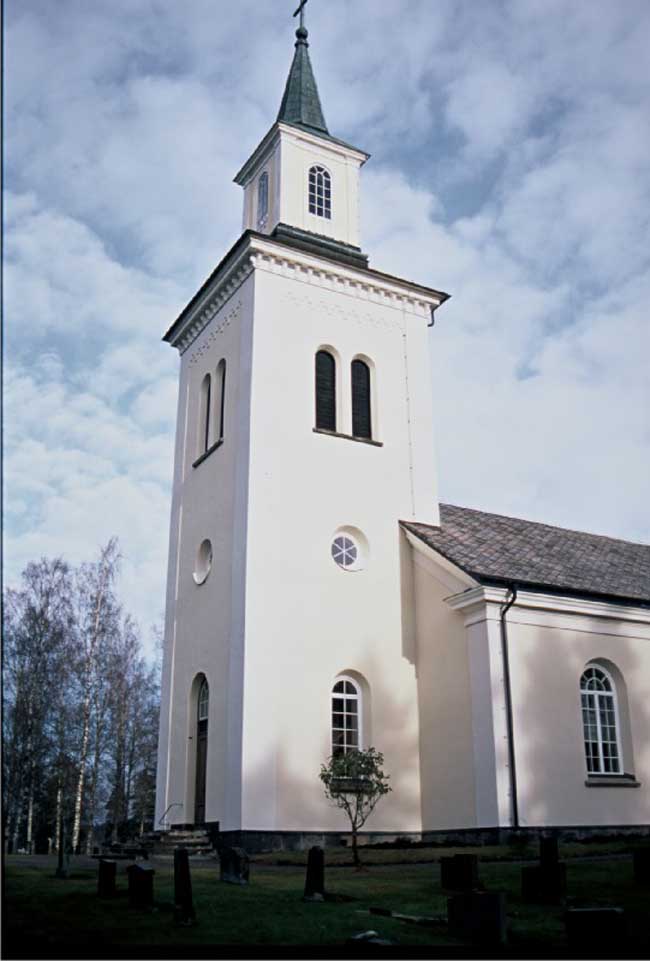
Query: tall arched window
x=346, y=716
x=203, y=701
x=262, y=200
x=600, y=722
x=361, y=420
x=325, y=391
x=220, y=398
x=320, y=192
x=205, y=426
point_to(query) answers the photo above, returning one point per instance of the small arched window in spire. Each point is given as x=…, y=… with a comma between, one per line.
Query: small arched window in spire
x=203, y=701
x=325, y=391
x=320, y=192
x=205, y=426
x=263, y=201
x=361, y=419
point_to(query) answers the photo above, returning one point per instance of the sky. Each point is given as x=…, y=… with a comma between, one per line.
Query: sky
x=510, y=145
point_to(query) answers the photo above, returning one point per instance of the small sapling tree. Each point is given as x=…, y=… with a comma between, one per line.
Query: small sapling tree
x=354, y=782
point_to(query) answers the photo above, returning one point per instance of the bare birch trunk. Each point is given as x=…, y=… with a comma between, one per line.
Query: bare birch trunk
x=59, y=805
x=30, y=818
x=76, y=826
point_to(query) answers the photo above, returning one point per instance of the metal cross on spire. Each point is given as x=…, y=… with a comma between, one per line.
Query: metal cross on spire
x=301, y=11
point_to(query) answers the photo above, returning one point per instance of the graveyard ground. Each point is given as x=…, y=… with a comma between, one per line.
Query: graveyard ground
x=48, y=917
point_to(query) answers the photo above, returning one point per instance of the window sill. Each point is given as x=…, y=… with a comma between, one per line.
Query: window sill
x=612, y=780
x=359, y=440
x=199, y=460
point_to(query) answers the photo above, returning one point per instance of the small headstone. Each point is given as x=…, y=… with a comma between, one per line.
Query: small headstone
x=595, y=929
x=641, y=858
x=140, y=886
x=543, y=884
x=369, y=937
x=549, y=854
x=183, y=905
x=479, y=916
x=234, y=865
x=106, y=878
x=459, y=873
x=315, y=878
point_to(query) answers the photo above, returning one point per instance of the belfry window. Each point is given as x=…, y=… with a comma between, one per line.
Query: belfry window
x=361, y=420
x=325, y=391
x=220, y=398
x=203, y=702
x=204, y=414
x=263, y=200
x=600, y=722
x=320, y=192
x=346, y=713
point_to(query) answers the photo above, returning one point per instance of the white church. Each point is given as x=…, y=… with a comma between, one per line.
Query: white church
x=320, y=599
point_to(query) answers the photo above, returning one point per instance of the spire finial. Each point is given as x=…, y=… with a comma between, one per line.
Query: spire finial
x=301, y=32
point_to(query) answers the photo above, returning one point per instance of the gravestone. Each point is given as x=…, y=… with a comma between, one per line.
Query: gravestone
x=183, y=904
x=549, y=854
x=595, y=929
x=641, y=858
x=459, y=873
x=545, y=883
x=140, y=886
x=315, y=878
x=234, y=865
x=478, y=916
x=106, y=878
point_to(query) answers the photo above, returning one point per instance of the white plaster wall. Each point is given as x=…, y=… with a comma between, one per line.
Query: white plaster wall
x=444, y=707
x=548, y=653
x=307, y=620
x=204, y=628
x=288, y=159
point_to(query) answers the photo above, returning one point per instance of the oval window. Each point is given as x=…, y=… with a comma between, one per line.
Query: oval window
x=349, y=549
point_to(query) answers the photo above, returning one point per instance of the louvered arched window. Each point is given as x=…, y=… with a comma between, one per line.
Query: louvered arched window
x=320, y=192
x=325, y=391
x=220, y=399
x=361, y=415
x=205, y=426
x=600, y=722
x=203, y=701
x=346, y=716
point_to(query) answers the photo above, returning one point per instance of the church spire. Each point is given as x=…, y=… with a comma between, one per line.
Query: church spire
x=301, y=104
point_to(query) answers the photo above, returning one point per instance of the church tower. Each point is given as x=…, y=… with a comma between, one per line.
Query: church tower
x=304, y=435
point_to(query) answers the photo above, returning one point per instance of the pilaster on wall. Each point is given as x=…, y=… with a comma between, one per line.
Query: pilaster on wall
x=489, y=724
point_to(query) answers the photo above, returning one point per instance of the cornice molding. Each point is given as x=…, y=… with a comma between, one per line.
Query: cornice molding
x=484, y=596
x=261, y=253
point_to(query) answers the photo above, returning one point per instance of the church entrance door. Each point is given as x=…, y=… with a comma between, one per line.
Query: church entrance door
x=201, y=753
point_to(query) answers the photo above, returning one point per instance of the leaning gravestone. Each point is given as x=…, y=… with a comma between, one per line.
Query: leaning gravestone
x=315, y=878
x=140, y=886
x=595, y=929
x=183, y=904
x=479, y=917
x=641, y=858
x=106, y=878
x=459, y=873
x=549, y=853
x=234, y=865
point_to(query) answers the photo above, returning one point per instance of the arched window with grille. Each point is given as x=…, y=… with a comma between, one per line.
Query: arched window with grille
x=325, y=391
x=205, y=427
x=263, y=200
x=346, y=716
x=320, y=192
x=600, y=722
x=361, y=414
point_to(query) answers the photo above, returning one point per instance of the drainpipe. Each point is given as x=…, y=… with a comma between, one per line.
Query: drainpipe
x=511, y=597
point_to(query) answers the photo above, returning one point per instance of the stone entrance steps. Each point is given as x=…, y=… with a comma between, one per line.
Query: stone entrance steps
x=196, y=842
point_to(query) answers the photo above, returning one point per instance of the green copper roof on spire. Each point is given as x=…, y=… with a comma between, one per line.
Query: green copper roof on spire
x=301, y=104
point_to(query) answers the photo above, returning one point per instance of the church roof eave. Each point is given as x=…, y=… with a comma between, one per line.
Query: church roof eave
x=247, y=169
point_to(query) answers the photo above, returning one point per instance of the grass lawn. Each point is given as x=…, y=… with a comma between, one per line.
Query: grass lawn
x=46, y=917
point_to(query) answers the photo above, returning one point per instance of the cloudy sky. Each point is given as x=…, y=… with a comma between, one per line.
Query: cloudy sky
x=510, y=145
